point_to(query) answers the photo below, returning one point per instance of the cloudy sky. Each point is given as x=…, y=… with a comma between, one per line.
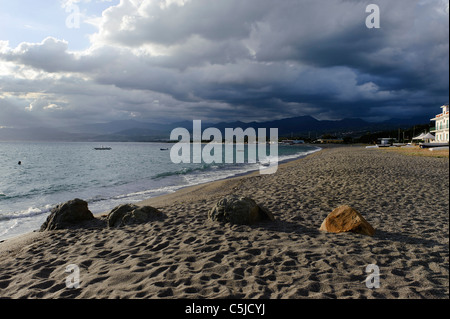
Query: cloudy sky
x=66, y=62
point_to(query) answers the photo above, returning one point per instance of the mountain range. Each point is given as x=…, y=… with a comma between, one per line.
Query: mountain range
x=138, y=131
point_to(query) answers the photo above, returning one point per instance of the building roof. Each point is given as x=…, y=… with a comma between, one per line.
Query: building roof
x=443, y=114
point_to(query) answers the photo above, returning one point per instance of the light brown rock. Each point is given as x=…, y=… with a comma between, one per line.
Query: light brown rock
x=346, y=219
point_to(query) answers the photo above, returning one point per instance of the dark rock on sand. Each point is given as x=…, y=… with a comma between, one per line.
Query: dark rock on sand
x=239, y=210
x=346, y=219
x=128, y=214
x=69, y=214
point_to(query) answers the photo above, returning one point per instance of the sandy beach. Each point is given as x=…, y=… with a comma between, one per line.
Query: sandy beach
x=405, y=198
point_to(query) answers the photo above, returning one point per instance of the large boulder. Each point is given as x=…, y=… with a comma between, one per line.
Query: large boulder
x=67, y=215
x=239, y=210
x=128, y=214
x=346, y=219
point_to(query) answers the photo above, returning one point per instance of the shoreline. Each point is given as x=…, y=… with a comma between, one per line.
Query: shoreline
x=187, y=256
x=110, y=203
x=190, y=188
x=196, y=190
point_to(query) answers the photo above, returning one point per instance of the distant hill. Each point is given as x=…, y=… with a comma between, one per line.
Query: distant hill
x=138, y=131
x=39, y=134
x=308, y=125
x=115, y=127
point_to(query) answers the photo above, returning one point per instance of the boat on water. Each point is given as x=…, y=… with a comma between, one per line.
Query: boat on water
x=103, y=148
x=164, y=149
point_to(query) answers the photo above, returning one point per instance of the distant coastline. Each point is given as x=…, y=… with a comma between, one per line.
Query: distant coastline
x=304, y=127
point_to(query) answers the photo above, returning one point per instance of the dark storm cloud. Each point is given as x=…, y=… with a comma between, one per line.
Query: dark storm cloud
x=252, y=59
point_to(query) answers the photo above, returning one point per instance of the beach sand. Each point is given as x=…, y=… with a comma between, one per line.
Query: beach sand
x=405, y=198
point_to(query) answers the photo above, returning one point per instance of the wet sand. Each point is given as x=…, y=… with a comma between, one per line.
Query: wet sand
x=405, y=198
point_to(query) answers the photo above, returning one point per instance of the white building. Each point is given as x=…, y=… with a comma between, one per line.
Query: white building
x=441, y=129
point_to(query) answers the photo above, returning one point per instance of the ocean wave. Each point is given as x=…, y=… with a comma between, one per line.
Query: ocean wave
x=96, y=199
x=298, y=155
x=217, y=166
x=216, y=171
x=9, y=228
x=142, y=194
x=186, y=171
x=105, y=202
x=28, y=213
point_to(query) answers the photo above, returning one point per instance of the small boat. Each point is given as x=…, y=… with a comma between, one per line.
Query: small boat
x=164, y=149
x=103, y=148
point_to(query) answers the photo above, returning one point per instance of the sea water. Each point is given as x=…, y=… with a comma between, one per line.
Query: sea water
x=53, y=173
